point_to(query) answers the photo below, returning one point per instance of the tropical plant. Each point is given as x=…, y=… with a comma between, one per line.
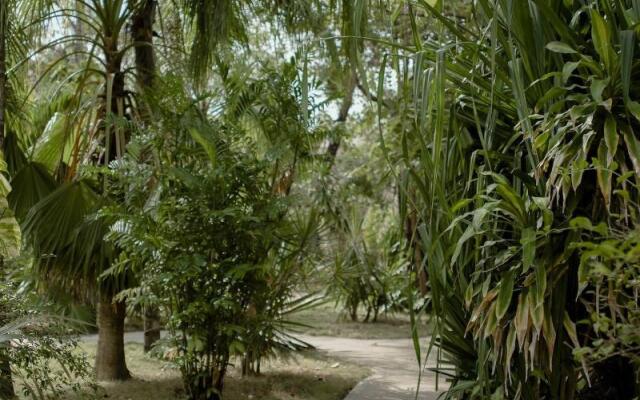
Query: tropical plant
x=203, y=222
x=506, y=128
x=608, y=274
x=44, y=358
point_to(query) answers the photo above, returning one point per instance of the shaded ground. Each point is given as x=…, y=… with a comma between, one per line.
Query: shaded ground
x=306, y=376
x=392, y=362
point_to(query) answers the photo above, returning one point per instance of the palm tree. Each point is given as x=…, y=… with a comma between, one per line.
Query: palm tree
x=142, y=20
x=59, y=207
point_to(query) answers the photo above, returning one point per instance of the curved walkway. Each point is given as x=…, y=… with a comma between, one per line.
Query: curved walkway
x=393, y=365
x=392, y=362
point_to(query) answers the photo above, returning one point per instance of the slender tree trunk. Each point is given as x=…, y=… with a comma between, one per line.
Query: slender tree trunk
x=6, y=379
x=3, y=67
x=110, y=361
x=151, y=327
x=142, y=34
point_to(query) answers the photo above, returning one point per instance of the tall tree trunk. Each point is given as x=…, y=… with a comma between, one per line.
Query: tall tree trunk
x=4, y=10
x=79, y=31
x=110, y=361
x=151, y=327
x=142, y=34
x=6, y=379
x=142, y=21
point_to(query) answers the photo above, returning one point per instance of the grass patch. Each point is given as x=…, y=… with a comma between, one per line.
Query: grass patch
x=325, y=320
x=304, y=376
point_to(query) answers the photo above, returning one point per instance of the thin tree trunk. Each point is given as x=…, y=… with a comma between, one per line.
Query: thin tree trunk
x=79, y=31
x=110, y=361
x=142, y=34
x=6, y=379
x=151, y=327
x=3, y=67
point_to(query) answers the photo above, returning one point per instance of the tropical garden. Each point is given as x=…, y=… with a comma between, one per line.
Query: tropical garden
x=231, y=177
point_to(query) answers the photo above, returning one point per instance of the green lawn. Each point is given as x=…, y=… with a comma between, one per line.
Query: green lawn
x=326, y=320
x=306, y=376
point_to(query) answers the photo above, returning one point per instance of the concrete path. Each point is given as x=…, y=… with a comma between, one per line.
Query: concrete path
x=393, y=365
x=392, y=362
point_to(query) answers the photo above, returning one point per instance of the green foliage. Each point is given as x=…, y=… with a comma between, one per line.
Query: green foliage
x=203, y=222
x=43, y=355
x=608, y=274
x=369, y=269
x=506, y=130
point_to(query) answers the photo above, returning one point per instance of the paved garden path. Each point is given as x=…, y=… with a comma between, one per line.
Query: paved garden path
x=392, y=363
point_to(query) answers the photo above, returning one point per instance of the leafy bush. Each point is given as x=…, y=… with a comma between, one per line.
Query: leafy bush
x=519, y=122
x=205, y=227
x=369, y=268
x=608, y=277
x=43, y=354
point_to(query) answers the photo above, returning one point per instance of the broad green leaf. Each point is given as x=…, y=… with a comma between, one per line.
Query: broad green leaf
x=468, y=295
x=491, y=321
x=560, y=47
x=505, y=294
x=528, y=242
x=585, y=223
x=633, y=148
x=10, y=235
x=540, y=285
x=603, y=173
x=634, y=108
x=570, y=328
x=468, y=234
x=521, y=320
x=601, y=38
x=207, y=144
x=583, y=275
x=536, y=312
x=30, y=184
x=610, y=137
x=597, y=87
x=512, y=202
x=460, y=204
x=567, y=70
x=53, y=146
x=552, y=93
x=549, y=332
x=577, y=170
x=627, y=39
